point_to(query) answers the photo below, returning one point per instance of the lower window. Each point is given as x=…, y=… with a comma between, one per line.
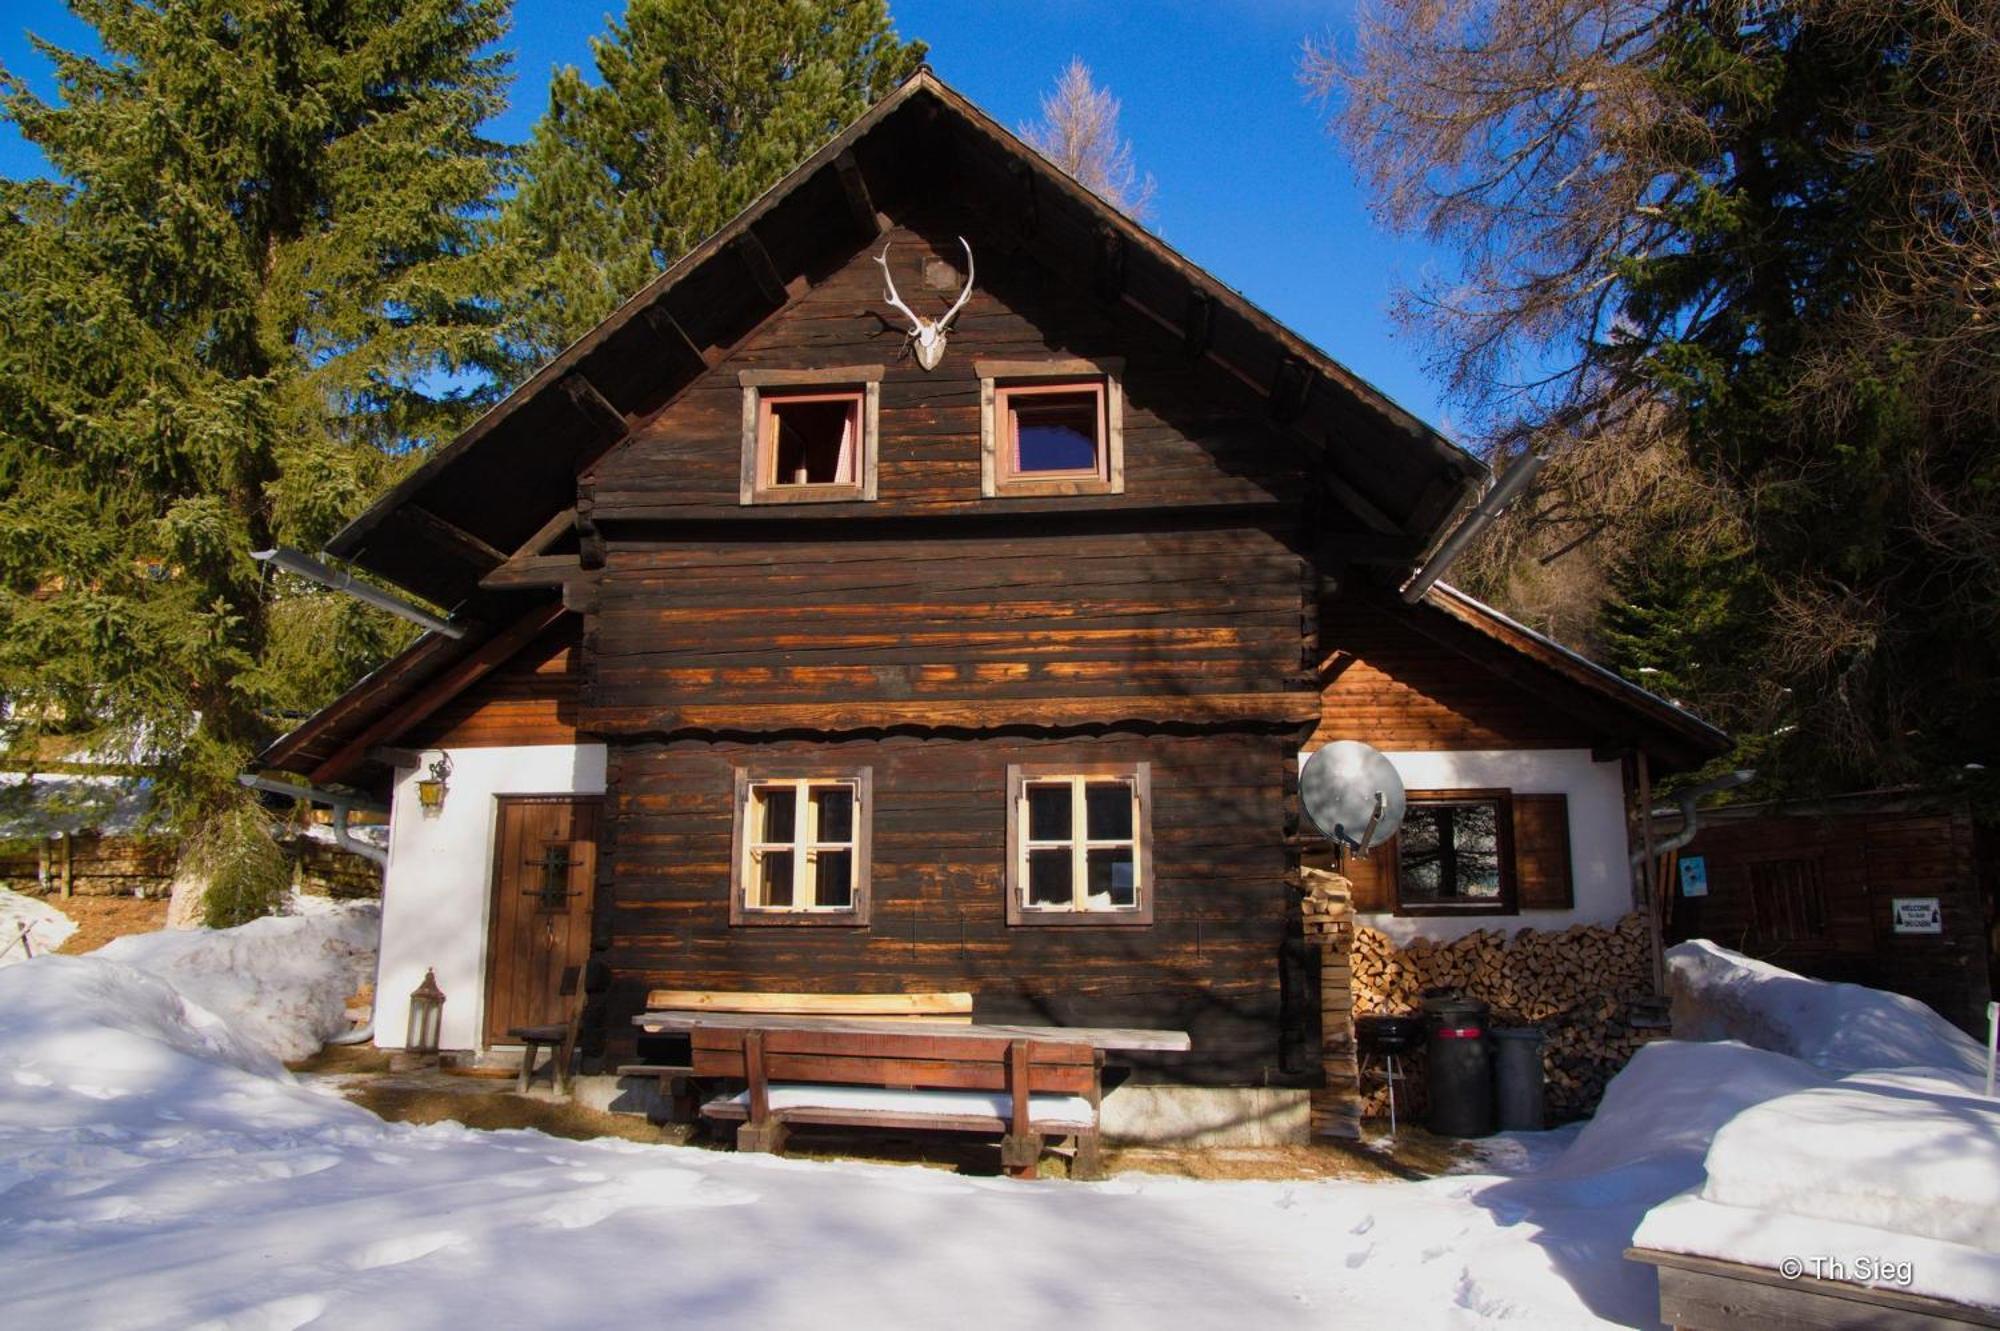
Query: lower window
x=1079, y=844
x=801, y=852
x=1456, y=853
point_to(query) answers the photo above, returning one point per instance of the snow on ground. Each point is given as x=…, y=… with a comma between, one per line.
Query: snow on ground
x=283, y=980
x=157, y=1168
x=1884, y=1158
x=47, y=926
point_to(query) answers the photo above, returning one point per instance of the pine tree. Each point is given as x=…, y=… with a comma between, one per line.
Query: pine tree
x=702, y=105
x=223, y=326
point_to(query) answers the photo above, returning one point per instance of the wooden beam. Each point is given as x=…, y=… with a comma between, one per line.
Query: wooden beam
x=605, y=419
x=526, y=571
x=450, y=682
x=1283, y=709
x=1024, y=216
x=669, y=330
x=762, y=271
x=453, y=536
x=1198, y=322
x=547, y=535
x=860, y=203
x=1109, y=274
x=1291, y=387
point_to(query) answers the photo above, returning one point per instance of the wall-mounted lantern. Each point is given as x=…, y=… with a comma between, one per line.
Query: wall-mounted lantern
x=430, y=789
x=426, y=1016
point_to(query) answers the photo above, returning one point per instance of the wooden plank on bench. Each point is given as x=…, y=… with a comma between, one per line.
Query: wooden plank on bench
x=945, y=1074
x=908, y=1043
x=823, y=1005
x=1096, y=1037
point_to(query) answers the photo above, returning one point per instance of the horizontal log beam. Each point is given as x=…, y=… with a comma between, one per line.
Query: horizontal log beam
x=1288, y=708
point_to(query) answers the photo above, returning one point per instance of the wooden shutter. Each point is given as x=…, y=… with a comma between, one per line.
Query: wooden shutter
x=1374, y=878
x=1541, y=852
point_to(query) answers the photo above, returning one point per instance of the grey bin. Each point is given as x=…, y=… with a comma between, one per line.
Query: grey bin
x=1517, y=1078
x=1459, y=1070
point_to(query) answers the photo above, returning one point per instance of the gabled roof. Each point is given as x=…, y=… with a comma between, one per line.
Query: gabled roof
x=482, y=497
x=1677, y=736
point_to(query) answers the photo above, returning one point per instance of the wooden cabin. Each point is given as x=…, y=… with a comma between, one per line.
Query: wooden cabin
x=789, y=664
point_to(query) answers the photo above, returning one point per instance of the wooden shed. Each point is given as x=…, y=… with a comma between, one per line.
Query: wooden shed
x=1891, y=889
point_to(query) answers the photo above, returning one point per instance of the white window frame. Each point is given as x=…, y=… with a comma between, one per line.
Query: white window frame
x=805, y=846
x=1023, y=778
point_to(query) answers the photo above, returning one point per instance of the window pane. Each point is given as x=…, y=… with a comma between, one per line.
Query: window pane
x=1114, y=880
x=833, y=878
x=1450, y=853
x=814, y=442
x=1055, y=431
x=780, y=813
x=774, y=878
x=1048, y=813
x=1049, y=878
x=1107, y=811
x=835, y=806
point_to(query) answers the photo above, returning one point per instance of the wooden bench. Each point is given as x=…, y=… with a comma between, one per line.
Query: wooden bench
x=1025, y=1082
x=1027, y=1090
x=676, y=1081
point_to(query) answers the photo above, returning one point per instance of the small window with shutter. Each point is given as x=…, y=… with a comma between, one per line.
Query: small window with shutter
x=1469, y=852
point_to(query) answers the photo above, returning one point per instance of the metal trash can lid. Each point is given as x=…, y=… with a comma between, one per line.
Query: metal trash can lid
x=1515, y=1032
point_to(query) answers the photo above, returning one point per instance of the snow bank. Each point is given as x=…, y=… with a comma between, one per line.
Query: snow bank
x=1887, y=1175
x=1723, y=995
x=282, y=982
x=47, y=926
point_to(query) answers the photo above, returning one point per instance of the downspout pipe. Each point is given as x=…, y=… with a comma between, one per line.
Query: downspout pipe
x=1514, y=480
x=293, y=561
x=1690, y=822
x=341, y=805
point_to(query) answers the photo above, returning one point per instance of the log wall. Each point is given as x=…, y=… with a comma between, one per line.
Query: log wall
x=1219, y=961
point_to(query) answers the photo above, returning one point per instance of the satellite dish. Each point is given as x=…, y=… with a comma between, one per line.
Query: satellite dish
x=1353, y=795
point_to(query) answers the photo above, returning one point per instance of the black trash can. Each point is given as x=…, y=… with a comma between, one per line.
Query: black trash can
x=1459, y=1070
x=1517, y=1078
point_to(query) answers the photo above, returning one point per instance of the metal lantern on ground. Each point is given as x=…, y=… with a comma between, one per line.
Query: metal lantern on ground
x=426, y=1016
x=431, y=789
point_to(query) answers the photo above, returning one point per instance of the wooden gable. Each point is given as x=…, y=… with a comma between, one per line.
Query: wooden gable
x=475, y=503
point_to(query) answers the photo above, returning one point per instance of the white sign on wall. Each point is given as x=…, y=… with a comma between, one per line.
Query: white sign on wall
x=1916, y=915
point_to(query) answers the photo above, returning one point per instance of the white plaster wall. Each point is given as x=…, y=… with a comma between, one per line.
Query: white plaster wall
x=1599, y=865
x=437, y=891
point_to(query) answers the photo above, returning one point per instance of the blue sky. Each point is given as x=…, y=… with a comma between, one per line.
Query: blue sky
x=1250, y=186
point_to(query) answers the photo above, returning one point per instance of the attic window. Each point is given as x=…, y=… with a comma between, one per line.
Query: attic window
x=1051, y=428
x=809, y=436
x=810, y=439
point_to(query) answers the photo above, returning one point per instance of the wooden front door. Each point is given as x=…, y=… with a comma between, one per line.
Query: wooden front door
x=544, y=873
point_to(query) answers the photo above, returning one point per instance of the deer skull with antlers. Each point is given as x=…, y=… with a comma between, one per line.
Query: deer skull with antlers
x=927, y=336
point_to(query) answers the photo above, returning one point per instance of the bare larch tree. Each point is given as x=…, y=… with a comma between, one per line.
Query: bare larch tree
x=1078, y=131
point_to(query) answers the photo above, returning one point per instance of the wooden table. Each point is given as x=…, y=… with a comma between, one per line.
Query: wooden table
x=928, y=1055
x=1106, y=1039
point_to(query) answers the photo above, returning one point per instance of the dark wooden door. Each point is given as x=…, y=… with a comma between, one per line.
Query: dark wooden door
x=544, y=872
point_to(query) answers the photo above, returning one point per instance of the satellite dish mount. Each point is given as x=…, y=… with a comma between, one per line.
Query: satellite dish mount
x=1353, y=795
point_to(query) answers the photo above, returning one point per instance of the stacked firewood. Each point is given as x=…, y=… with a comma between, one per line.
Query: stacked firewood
x=1577, y=985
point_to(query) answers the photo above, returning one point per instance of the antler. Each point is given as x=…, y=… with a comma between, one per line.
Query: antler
x=894, y=299
x=963, y=296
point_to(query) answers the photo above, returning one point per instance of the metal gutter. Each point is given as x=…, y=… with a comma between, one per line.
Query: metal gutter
x=294, y=561
x=341, y=805
x=1511, y=483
